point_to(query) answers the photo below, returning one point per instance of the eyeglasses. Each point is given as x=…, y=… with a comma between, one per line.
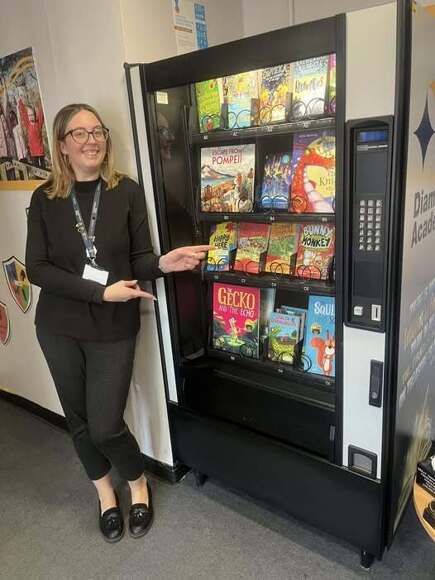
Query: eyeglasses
x=81, y=135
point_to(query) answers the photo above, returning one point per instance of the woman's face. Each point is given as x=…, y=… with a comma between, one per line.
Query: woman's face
x=85, y=158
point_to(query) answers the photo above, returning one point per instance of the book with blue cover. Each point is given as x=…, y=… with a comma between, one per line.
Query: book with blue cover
x=277, y=180
x=319, y=344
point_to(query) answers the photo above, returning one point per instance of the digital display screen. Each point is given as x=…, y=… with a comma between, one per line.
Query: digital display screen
x=372, y=136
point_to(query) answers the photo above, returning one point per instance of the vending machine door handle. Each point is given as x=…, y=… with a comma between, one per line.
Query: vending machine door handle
x=376, y=383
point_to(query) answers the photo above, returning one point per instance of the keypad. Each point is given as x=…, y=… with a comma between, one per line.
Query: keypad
x=370, y=225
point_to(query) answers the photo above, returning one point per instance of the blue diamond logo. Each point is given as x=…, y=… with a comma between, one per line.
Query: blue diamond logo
x=424, y=132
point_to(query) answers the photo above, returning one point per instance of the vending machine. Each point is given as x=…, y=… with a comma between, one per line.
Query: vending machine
x=299, y=358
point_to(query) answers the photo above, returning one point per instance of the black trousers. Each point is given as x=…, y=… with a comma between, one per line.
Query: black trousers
x=92, y=380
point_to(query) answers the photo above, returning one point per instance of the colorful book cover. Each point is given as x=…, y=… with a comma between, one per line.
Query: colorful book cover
x=253, y=240
x=277, y=179
x=310, y=78
x=223, y=241
x=319, y=345
x=239, y=90
x=302, y=313
x=208, y=103
x=283, y=247
x=313, y=182
x=332, y=83
x=274, y=94
x=283, y=337
x=316, y=251
x=236, y=313
x=227, y=178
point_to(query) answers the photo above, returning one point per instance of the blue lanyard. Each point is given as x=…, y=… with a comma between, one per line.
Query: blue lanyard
x=88, y=236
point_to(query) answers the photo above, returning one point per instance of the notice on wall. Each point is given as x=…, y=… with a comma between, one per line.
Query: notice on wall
x=190, y=25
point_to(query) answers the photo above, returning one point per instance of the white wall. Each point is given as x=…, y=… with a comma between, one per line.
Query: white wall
x=262, y=16
x=307, y=10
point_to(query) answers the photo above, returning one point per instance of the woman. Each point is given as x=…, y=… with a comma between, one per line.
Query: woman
x=88, y=245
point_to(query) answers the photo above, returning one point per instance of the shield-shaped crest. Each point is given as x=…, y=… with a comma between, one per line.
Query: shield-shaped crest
x=19, y=285
x=4, y=324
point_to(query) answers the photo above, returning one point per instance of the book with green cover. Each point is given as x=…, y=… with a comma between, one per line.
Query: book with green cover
x=283, y=247
x=208, y=102
x=239, y=90
x=253, y=240
x=284, y=332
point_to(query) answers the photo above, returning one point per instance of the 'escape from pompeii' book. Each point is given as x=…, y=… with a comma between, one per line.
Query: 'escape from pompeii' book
x=313, y=181
x=208, y=102
x=274, y=94
x=253, y=240
x=227, y=178
x=284, y=333
x=316, y=251
x=223, y=241
x=239, y=91
x=283, y=247
x=277, y=179
x=319, y=344
x=239, y=318
x=310, y=83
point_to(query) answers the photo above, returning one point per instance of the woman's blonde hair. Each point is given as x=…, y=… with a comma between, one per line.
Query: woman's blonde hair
x=62, y=175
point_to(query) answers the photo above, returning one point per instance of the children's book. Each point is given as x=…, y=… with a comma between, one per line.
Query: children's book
x=319, y=345
x=316, y=251
x=227, y=178
x=274, y=94
x=277, y=178
x=283, y=247
x=332, y=83
x=223, y=242
x=239, y=91
x=284, y=331
x=302, y=313
x=253, y=240
x=313, y=165
x=208, y=103
x=310, y=81
x=236, y=315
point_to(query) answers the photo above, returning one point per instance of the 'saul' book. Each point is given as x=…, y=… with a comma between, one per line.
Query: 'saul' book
x=316, y=251
x=319, y=345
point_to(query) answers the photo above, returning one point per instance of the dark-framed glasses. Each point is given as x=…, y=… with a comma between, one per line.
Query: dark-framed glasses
x=81, y=135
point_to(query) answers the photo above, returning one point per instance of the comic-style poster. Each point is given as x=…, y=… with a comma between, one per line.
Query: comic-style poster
x=18, y=283
x=24, y=150
x=4, y=324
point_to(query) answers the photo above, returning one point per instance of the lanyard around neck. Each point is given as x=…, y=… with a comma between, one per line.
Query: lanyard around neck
x=88, y=236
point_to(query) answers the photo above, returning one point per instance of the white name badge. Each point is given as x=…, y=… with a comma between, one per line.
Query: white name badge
x=95, y=274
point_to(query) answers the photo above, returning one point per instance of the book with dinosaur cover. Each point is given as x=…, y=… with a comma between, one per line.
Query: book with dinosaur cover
x=284, y=333
x=239, y=92
x=208, y=103
x=277, y=179
x=252, y=246
x=313, y=181
x=227, y=178
x=316, y=251
x=310, y=82
x=283, y=247
x=223, y=242
x=274, y=94
x=319, y=344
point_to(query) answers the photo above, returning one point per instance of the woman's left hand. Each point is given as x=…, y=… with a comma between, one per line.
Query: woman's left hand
x=186, y=258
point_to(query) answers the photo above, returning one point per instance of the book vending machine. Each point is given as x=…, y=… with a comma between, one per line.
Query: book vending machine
x=298, y=359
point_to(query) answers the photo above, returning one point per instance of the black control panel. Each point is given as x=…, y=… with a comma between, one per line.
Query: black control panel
x=369, y=145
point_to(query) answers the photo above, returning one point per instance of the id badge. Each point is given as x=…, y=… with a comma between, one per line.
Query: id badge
x=95, y=274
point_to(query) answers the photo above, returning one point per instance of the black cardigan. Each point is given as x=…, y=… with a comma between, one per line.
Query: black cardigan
x=55, y=257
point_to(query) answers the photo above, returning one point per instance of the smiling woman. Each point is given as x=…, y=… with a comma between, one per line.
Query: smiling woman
x=88, y=244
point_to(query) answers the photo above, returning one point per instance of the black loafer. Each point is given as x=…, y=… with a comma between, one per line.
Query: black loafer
x=112, y=523
x=141, y=517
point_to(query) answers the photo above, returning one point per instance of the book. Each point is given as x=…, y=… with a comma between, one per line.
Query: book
x=227, y=178
x=315, y=251
x=239, y=91
x=274, y=94
x=319, y=344
x=313, y=166
x=253, y=240
x=277, y=179
x=284, y=333
x=302, y=313
x=267, y=304
x=282, y=249
x=332, y=68
x=309, y=84
x=236, y=313
x=223, y=242
x=208, y=104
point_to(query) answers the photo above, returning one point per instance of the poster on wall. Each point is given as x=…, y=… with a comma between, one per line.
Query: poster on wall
x=4, y=324
x=24, y=150
x=190, y=25
x=18, y=283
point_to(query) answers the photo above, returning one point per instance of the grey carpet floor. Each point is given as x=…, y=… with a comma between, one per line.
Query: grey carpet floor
x=48, y=526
